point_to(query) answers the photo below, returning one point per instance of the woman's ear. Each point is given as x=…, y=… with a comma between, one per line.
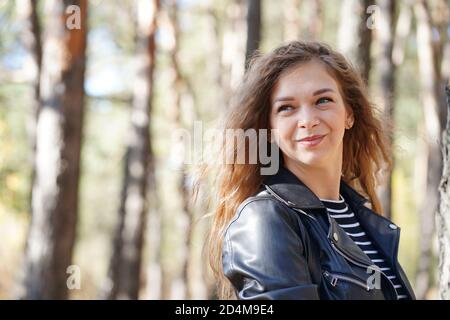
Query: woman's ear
x=349, y=124
x=349, y=121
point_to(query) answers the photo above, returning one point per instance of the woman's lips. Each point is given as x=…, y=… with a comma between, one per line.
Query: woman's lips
x=311, y=142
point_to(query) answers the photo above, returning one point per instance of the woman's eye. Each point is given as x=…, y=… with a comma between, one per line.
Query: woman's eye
x=324, y=100
x=284, y=108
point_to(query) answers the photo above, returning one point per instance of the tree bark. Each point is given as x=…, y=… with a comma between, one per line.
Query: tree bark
x=253, y=28
x=313, y=22
x=429, y=81
x=443, y=216
x=402, y=31
x=386, y=67
x=442, y=54
x=154, y=278
x=445, y=67
x=125, y=265
x=228, y=24
x=58, y=145
x=234, y=45
x=291, y=25
x=182, y=89
x=356, y=45
x=32, y=41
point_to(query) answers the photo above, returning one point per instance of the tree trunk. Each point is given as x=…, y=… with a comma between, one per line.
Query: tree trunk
x=154, y=279
x=253, y=28
x=443, y=217
x=125, y=265
x=356, y=45
x=402, y=31
x=440, y=21
x=234, y=45
x=32, y=41
x=386, y=67
x=313, y=22
x=228, y=24
x=445, y=66
x=58, y=144
x=182, y=90
x=291, y=25
x=432, y=112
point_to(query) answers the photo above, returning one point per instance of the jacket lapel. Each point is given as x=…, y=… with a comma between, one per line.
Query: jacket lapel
x=344, y=243
x=380, y=229
x=286, y=187
x=294, y=192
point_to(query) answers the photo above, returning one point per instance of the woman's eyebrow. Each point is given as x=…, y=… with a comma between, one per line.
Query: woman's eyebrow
x=320, y=91
x=283, y=99
x=315, y=93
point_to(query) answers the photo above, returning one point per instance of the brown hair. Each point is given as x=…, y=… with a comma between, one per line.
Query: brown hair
x=365, y=145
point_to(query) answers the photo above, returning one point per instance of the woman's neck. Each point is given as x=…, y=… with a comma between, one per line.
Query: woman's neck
x=324, y=182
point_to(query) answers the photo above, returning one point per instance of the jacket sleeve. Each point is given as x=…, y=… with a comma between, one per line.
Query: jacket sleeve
x=263, y=255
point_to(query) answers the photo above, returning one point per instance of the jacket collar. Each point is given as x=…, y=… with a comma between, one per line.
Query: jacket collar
x=286, y=187
x=297, y=195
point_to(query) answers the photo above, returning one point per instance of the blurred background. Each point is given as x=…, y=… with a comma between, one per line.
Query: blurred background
x=94, y=189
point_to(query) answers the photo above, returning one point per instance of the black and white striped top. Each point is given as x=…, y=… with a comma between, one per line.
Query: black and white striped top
x=341, y=212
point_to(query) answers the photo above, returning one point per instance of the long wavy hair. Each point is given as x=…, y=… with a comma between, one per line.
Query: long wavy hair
x=365, y=147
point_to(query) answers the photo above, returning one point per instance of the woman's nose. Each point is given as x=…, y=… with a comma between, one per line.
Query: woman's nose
x=307, y=118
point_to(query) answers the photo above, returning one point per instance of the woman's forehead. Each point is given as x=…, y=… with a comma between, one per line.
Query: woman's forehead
x=305, y=78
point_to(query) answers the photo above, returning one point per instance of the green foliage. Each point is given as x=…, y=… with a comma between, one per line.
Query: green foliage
x=14, y=150
x=8, y=26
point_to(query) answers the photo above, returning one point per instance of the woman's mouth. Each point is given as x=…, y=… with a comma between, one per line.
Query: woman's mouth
x=311, y=141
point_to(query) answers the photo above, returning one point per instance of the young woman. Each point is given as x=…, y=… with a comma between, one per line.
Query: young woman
x=304, y=232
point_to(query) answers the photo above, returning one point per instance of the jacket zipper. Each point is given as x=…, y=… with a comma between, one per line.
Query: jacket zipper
x=345, y=256
x=334, y=278
x=353, y=261
x=394, y=266
x=364, y=266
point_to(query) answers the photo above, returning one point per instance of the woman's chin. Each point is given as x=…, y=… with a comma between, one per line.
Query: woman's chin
x=313, y=159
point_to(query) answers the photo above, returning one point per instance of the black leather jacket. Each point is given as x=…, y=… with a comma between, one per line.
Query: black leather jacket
x=274, y=247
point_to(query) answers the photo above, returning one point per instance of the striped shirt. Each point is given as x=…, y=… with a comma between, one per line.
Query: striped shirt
x=341, y=212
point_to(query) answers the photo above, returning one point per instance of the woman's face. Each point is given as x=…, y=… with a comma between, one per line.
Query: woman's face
x=306, y=103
